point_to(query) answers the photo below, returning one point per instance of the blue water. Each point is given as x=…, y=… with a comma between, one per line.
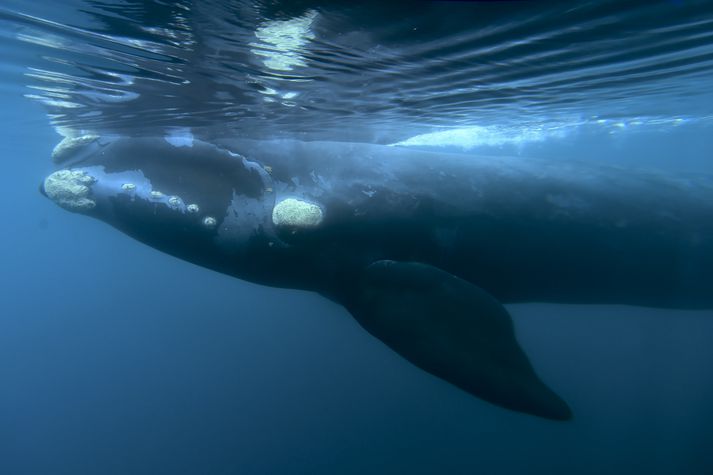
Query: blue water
x=117, y=359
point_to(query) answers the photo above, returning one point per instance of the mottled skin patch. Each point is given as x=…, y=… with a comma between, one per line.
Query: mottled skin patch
x=70, y=189
x=297, y=213
x=65, y=148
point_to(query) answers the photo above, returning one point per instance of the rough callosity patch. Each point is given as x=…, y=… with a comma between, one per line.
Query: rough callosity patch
x=70, y=189
x=296, y=213
x=68, y=144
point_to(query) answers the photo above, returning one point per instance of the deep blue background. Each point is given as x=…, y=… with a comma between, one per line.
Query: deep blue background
x=117, y=359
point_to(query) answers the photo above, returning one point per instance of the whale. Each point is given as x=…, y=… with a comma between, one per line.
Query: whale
x=422, y=248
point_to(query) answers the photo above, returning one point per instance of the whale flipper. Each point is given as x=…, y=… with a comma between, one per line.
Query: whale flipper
x=454, y=330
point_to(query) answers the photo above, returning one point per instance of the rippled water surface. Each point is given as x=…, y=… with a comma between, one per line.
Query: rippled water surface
x=474, y=73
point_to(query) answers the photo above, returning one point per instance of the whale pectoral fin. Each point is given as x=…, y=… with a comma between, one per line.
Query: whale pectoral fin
x=454, y=330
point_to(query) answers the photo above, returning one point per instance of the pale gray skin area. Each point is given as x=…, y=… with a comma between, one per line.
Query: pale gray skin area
x=422, y=248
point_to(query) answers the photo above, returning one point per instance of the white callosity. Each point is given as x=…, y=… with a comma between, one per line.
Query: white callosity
x=70, y=189
x=296, y=213
x=68, y=144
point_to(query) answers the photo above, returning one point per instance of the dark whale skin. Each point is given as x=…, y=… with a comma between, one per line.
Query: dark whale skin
x=422, y=248
x=525, y=230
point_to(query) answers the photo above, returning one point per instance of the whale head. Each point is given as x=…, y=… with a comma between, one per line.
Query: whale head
x=190, y=199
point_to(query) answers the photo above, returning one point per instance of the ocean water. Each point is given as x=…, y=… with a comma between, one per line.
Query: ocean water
x=117, y=359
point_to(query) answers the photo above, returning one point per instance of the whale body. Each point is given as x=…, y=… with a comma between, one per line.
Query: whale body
x=422, y=248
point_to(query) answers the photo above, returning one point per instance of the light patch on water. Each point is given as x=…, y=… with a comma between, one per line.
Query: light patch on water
x=501, y=136
x=487, y=136
x=64, y=87
x=68, y=132
x=44, y=40
x=180, y=137
x=50, y=102
x=280, y=42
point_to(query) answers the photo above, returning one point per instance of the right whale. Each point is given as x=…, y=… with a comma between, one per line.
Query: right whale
x=421, y=247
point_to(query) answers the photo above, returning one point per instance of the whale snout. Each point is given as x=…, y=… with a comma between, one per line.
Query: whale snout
x=70, y=189
x=127, y=194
